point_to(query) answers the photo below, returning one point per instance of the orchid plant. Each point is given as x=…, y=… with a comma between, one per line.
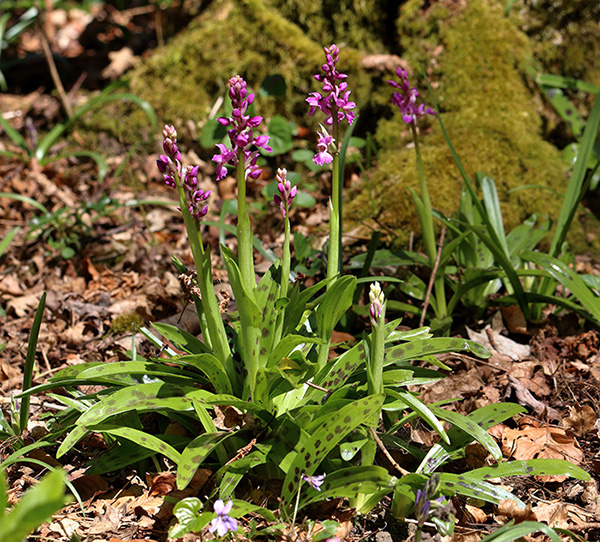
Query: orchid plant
x=297, y=412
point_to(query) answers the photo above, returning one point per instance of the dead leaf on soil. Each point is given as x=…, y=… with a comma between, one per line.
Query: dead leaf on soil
x=582, y=419
x=509, y=509
x=541, y=442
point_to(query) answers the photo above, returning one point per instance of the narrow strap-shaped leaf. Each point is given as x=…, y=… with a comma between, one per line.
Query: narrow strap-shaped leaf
x=76, y=434
x=145, y=440
x=212, y=368
x=470, y=427
x=484, y=417
x=195, y=453
x=418, y=349
x=530, y=467
x=422, y=410
x=7, y=239
x=512, y=531
x=452, y=484
x=30, y=360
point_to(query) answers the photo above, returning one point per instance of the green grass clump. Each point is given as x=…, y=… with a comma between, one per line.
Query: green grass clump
x=126, y=323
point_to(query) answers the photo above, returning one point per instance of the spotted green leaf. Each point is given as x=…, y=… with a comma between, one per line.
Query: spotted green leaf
x=418, y=349
x=336, y=301
x=531, y=467
x=211, y=367
x=462, y=484
x=143, y=439
x=181, y=339
x=421, y=409
x=195, y=453
x=484, y=417
x=470, y=427
x=512, y=531
x=325, y=438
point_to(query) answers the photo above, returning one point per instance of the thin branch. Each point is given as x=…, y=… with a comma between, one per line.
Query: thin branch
x=387, y=454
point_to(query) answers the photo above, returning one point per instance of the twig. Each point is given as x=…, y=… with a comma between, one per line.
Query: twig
x=387, y=454
x=54, y=72
x=432, y=277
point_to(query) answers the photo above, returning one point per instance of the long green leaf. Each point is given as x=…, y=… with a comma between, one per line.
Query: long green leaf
x=25, y=199
x=577, y=181
x=195, y=453
x=568, y=278
x=453, y=484
x=425, y=412
x=512, y=531
x=30, y=360
x=531, y=467
x=143, y=439
x=95, y=156
x=484, y=417
x=6, y=241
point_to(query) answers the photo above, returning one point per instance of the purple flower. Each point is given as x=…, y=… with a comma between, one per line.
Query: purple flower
x=287, y=191
x=334, y=98
x=315, y=481
x=324, y=143
x=169, y=164
x=406, y=99
x=223, y=523
x=241, y=134
x=377, y=300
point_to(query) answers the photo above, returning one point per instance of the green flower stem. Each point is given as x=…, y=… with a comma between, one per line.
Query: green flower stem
x=427, y=229
x=250, y=333
x=244, y=230
x=216, y=336
x=377, y=351
x=285, y=258
x=335, y=209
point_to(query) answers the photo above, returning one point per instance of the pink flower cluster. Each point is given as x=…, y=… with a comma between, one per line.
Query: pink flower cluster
x=406, y=99
x=241, y=133
x=287, y=192
x=334, y=99
x=169, y=164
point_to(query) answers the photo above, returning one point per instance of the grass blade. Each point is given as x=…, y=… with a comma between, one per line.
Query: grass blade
x=29, y=361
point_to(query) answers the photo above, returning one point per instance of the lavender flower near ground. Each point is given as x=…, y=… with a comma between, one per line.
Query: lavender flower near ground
x=315, y=481
x=223, y=523
x=241, y=133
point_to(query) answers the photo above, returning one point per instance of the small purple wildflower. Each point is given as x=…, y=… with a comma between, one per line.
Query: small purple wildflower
x=315, y=481
x=223, y=523
x=287, y=191
x=334, y=99
x=406, y=99
x=241, y=133
x=325, y=142
x=169, y=164
x=377, y=300
x=424, y=499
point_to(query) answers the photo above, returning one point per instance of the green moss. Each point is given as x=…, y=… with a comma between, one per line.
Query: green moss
x=491, y=119
x=250, y=38
x=127, y=322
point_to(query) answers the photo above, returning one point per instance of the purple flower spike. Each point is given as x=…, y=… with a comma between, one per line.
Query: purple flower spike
x=169, y=164
x=405, y=99
x=324, y=143
x=315, y=481
x=334, y=98
x=287, y=191
x=241, y=134
x=223, y=523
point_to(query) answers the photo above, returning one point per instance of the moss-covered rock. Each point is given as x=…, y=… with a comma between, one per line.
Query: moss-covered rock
x=487, y=109
x=246, y=37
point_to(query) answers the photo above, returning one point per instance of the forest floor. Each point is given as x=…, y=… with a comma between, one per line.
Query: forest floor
x=107, y=267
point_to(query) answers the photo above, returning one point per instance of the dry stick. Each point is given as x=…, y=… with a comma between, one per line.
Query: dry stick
x=387, y=454
x=54, y=72
x=433, y=273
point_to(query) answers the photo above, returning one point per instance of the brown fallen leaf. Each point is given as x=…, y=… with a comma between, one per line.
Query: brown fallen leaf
x=509, y=509
x=542, y=442
x=582, y=419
